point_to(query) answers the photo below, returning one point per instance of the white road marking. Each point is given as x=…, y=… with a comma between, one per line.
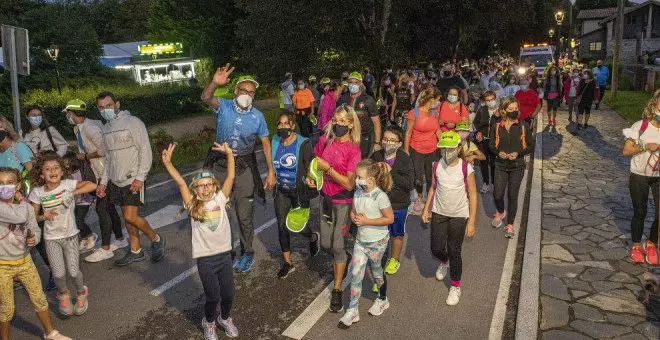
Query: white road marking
x=166, y=216
x=156, y=185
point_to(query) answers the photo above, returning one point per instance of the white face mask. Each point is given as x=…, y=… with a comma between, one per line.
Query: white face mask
x=452, y=99
x=244, y=101
x=361, y=183
x=449, y=155
x=301, y=87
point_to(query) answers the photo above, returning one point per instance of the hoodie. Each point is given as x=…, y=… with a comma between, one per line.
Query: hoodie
x=15, y=220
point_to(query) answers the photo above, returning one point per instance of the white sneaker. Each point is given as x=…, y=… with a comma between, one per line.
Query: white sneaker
x=454, y=296
x=350, y=317
x=379, y=307
x=99, y=255
x=118, y=244
x=442, y=271
x=209, y=330
x=88, y=243
x=55, y=335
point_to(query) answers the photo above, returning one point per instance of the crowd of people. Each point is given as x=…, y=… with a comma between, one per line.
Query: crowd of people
x=358, y=154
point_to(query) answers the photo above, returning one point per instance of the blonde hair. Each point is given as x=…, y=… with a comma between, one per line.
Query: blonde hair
x=349, y=113
x=649, y=110
x=196, y=207
x=506, y=101
x=427, y=95
x=6, y=125
x=378, y=171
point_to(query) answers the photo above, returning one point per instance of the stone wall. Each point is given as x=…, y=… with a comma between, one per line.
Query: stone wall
x=629, y=47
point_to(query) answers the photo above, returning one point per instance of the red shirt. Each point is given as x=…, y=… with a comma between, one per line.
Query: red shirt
x=424, y=139
x=528, y=102
x=448, y=115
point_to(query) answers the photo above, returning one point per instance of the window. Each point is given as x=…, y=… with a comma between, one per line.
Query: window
x=595, y=46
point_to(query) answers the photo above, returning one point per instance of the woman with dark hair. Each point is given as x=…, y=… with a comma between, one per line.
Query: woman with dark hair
x=41, y=136
x=552, y=92
x=587, y=93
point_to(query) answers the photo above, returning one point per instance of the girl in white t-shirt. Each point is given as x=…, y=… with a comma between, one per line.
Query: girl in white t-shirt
x=372, y=213
x=205, y=201
x=643, y=145
x=452, y=210
x=54, y=192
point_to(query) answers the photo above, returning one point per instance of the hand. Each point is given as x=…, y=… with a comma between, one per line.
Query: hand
x=136, y=185
x=310, y=183
x=50, y=215
x=376, y=147
x=360, y=220
x=80, y=156
x=322, y=164
x=271, y=180
x=652, y=147
x=512, y=156
x=167, y=154
x=221, y=76
x=471, y=107
x=31, y=239
x=425, y=216
x=480, y=137
x=503, y=155
x=469, y=231
x=224, y=148
x=100, y=191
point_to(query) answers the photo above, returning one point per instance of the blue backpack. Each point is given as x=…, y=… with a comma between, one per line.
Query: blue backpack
x=416, y=114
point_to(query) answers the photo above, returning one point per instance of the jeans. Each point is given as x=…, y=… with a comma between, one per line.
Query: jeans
x=217, y=278
x=80, y=211
x=284, y=201
x=366, y=253
x=639, y=193
x=487, y=166
x=511, y=180
x=423, y=168
x=447, y=235
x=109, y=220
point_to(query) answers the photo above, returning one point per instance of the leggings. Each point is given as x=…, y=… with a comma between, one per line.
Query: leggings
x=363, y=253
x=447, y=235
x=487, y=166
x=41, y=246
x=109, y=221
x=63, y=255
x=510, y=179
x=303, y=122
x=217, y=278
x=571, y=106
x=334, y=230
x=639, y=193
x=284, y=201
x=423, y=167
x=584, y=108
x=80, y=212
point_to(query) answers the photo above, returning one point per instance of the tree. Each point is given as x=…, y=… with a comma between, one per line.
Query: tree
x=117, y=21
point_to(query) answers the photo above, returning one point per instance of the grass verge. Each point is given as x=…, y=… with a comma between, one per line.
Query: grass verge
x=629, y=104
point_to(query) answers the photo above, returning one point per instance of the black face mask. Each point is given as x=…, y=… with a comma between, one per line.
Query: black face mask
x=513, y=115
x=284, y=133
x=339, y=130
x=447, y=73
x=3, y=135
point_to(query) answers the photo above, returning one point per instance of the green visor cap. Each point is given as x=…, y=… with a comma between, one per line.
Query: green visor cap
x=75, y=105
x=449, y=139
x=315, y=173
x=296, y=219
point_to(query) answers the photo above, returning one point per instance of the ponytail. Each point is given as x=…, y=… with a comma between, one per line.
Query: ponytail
x=377, y=170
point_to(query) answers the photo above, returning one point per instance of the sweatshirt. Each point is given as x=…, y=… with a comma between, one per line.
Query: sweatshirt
x=483, y=121
x=127, y=150
x=91, y=136
x=402, y=178
x=511, y=141
x=15, y=220
x=38, y=141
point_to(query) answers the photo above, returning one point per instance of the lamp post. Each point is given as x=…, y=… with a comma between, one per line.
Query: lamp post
x=53, y=52
x=559, y=17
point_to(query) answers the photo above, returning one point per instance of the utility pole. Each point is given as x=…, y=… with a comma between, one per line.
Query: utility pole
x=617, y=48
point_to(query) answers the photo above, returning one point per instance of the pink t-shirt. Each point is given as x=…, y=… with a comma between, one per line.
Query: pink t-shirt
x=449, y=115
x=424, y=139
x=343, y=157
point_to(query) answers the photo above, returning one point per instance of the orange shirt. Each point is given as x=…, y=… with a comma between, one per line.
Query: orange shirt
x=303, y=99
x=424, y=139
x=449, y=115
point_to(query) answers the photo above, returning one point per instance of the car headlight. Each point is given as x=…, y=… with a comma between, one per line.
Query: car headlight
x=522, y=70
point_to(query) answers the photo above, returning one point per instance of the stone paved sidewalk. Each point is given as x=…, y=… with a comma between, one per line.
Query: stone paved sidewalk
x=588, y=285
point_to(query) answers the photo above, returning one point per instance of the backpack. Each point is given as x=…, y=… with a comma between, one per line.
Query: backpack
x=522, y=134
x=416, y=114
x=464, y=168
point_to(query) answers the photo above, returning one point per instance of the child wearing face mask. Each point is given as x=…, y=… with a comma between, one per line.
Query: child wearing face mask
x=206, y=201
x=372, y=213
x=470, y=152
x=451, y=210
x=571, y=86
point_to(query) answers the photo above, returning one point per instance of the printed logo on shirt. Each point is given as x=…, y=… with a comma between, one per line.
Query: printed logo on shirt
x=288, y=160
x=212, y=219
x=51, y=201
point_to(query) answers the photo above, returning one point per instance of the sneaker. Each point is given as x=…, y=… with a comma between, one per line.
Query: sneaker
x=350, y=317
x=81, y=303
x=336, y=303
x=570, y=119
x=651, y=251
x=287, y=268
x=50, y=285
x=579, y=127
x=442, y=271
x=374, y=288
x=158, y=249
x=498, y=222
x=248, y=264
x=228, y=325
x=130, y=257
x=454, y=296
x=99, y=255
x=55, y=335
x=418, y=206
x=392, y=266
x=88, y=243
x=314, y=245
x=379, y=307
x=237, y=263
x=509, y=232
x=118, y=244
x=209, y=330
x=636, y=254
x=65, y=306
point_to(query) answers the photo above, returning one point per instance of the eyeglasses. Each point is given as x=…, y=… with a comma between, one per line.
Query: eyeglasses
x=244, y=91
x=390, y=141
x=205, y=186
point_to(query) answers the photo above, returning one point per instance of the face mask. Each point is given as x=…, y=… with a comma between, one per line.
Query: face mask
x=108, y=114
x=599, y=66
x=70, y=120
x=361, y=183
x=301, y=86
x=339, y=130
x=512, y=81
x=553, y=73
x=524, y=87
x=35, y=121
x=513, y=115
x=244, y=101
x=447, y=73
x=284, y=133
x=391, y=149
x=7, y=191
x=452, y=99
x=585, y=77
x=576, y=75
x=491, y=104
x=354, y=88
x=449, y=155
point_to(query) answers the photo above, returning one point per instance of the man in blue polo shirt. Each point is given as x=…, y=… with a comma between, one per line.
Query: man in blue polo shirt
x=240, y=124
x=602, y=74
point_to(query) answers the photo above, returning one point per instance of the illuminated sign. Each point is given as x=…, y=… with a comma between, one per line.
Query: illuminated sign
x=155, y=49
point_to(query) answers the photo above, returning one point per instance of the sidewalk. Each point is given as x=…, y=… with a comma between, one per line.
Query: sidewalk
x=588, y=285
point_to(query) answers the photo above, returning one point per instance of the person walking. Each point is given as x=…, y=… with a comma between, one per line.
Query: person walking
x=486, y=118
x=366, y=110
x=41, y=135
x=588, y=92
x=571, y=86
x=552, y=89
x=288, y=89
x=303, y=103
x=602, y=74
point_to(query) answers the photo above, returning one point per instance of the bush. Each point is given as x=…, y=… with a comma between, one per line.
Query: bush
x=191, y=148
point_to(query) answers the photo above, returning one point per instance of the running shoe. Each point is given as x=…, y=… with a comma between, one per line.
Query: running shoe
x=392, y=266
x=158, y=249
x=50, y=285
x=64, y=304
x=379, y=307
x=237, y=262
x=209, y=330
x=88, y=243
x=131, y=257
x=570, y=119
x=350, y=317
x=636, y=254
x=498, y=220
x=509, y=231
x=442, y=271
x=579, y=127
x=651, y=251
x=287, y=268
x=81, y=303
x=118, y=244
x=247, y=264
x=55, y=335
x=228, y=325
x=99, y=255
x=336, y=303
x=454, y=295
x=374, y=288
x=418, y=206
x=314, y=245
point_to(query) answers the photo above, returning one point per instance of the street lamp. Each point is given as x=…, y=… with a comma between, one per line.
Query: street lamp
x=559, y=17
x=551, y=33
x=53, y=52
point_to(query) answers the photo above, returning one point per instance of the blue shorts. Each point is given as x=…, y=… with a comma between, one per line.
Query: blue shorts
x=398, y=228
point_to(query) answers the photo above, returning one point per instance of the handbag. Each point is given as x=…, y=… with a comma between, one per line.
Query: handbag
x=86, y=172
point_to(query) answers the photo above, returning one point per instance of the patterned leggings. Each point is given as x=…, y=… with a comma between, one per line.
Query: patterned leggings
x=364, y=252
x=26, y=273
x=63, y=256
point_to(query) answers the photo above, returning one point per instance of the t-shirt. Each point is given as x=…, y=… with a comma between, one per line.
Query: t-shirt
x=16, y=156
x=343, y=157
x=469, y=148
x=528, y=101
x=572, y=92
x=64, y=224
x=285, y=164
x=365, y=107
x=370, y=204
x=424, y=138
x=303, y=99
x=642, y=163
x=449, y=115
x=239, y=128
x=450, y=198
x=213, y=236
x=510, y=90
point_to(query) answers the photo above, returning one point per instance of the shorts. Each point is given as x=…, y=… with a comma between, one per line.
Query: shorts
x=554, y=103
x=398, y=228
x=123, y=196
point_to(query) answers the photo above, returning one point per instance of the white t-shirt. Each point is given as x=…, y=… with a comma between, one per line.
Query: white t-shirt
x=64, y=224
x=642, y=163
x=451, y=199
x=370, y=204
x=213, y=236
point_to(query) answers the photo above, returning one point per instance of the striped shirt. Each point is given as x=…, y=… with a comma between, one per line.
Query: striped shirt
x=64, y=224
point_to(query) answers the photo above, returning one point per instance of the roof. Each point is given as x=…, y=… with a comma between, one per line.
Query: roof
x=127, y=49
x=599, y=13
x=631, y=9
x=600, y=31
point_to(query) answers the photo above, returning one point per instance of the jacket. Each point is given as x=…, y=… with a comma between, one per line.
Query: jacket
x=127, y=150
x=305, y=156
x=518, y=139
x=483, y=122
x=546, y=87
x=91, y=134
x=15, y=220
x=588, y=92
x=567, y=88
x=402, y=178
x=38, y=140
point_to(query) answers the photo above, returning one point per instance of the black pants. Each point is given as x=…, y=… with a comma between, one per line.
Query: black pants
x=511, y=180
x=41, y=246
x=365, y=145
x=109, y=220
x=602, y=95
x=80, y=211
x=303, y=122
x=487, y=166
x=584, y=107
x=639, y=193
x=284, y=201
x=242, y=200
x=423, y=168
x=447, y=235
x=217, y=278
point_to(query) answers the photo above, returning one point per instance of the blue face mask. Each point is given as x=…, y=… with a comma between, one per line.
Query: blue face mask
x=108, y=114
x=524, y=87
x=657, y=116
x=354, y=88
x=35, y=121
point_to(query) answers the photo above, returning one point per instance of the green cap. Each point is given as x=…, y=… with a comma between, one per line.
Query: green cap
x=315, y=173
x=325, y=80
x=449, y=139
x=463, y=126
x=355, y=75
x=75, y=105
x=312, y=78
x=296, y=219
x=247, y=78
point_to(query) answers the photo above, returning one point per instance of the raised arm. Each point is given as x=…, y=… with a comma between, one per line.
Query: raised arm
x=186, y=196
x=220, y=78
